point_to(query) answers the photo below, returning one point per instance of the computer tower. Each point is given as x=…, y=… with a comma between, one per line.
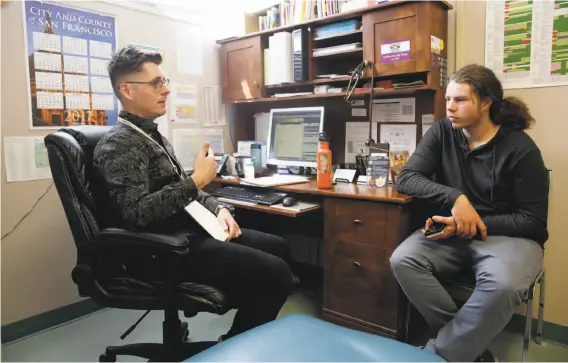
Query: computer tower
x=300, y=54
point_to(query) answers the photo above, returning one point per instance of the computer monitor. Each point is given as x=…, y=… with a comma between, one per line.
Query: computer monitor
x=293, y=136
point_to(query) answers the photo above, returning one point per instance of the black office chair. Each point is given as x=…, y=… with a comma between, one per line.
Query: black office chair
x=107, y=257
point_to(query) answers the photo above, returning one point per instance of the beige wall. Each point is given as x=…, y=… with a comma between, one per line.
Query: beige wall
x=549, y=106
x=38, y=257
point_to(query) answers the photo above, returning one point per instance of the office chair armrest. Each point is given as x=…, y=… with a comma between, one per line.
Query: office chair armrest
x=118, y=236
x=175, y=247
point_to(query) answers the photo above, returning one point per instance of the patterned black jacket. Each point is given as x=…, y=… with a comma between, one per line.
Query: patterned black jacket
x=142, y=190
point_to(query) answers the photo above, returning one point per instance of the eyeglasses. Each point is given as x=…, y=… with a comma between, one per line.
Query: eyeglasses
x=157, y=83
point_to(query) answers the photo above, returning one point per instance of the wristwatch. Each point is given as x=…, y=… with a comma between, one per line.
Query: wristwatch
x=222, y=205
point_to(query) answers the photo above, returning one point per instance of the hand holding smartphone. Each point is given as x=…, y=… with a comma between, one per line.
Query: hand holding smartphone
x=439, y=227
x=435, y=229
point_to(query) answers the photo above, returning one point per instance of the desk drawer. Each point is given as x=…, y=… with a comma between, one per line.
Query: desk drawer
x=355, y=221
x=358, y=283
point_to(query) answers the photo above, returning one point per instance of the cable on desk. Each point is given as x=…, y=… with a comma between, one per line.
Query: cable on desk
x=28, y=213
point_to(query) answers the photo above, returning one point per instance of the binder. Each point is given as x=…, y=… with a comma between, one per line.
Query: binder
x=300, y=54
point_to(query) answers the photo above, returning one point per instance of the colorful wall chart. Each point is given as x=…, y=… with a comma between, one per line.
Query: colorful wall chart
x=526, y=42
x=559, y=65
x=68, y=51
x=518, y=33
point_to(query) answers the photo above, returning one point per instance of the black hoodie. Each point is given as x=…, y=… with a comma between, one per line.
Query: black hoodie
x=505, y=180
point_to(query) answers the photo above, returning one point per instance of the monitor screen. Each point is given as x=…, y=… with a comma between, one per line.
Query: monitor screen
x=293, y=136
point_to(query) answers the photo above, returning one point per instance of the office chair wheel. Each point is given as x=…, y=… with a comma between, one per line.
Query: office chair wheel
x=106, y=357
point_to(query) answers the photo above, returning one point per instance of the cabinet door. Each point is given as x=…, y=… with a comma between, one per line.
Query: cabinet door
x=386, y=36
x=241, y=69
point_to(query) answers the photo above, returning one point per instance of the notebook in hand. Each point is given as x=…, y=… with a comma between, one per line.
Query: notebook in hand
x=207, y=220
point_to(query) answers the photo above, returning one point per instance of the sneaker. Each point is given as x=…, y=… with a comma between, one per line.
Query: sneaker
x=487, y=356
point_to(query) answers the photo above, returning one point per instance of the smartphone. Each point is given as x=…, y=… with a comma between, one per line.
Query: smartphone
x=435, y=229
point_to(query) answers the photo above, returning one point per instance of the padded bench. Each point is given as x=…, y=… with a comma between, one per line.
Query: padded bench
x=302, y=338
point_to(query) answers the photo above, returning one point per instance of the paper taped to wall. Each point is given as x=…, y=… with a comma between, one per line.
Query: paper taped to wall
x=212, y=110
x=402, y=141
x=187, y=143
x=25, y=159
x=427, y=122
x=183, y=103
x=525, y=42
x=394, y=110
x=356, y=133
x=399, y=137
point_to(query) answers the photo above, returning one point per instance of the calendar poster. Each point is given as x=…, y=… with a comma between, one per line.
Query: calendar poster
x=68, y=51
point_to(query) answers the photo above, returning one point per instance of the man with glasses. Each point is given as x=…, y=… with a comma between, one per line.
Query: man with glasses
x=146, y=189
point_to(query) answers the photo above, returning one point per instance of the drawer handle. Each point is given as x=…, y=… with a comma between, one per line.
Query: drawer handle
x=357, y=221
x=358, y=264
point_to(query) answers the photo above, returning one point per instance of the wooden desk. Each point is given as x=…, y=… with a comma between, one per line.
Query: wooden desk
x=362, y=227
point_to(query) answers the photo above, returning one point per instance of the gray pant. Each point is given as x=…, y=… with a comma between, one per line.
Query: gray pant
x=504, y=269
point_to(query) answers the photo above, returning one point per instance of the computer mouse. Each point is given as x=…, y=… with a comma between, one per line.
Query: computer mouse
x=289, y=202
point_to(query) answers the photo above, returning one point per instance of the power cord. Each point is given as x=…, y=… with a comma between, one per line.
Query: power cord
x=355, y=77
x=232, y=115
x=28, y=213
x=372, y=92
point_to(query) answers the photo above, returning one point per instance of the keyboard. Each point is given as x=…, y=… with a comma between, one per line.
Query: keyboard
x=252, y=195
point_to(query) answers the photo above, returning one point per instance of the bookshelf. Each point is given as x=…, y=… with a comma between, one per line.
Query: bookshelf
x=380, y=24
x=245, y=84
x=290, y=12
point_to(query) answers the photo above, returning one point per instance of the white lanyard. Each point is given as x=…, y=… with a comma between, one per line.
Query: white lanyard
x=126, y=122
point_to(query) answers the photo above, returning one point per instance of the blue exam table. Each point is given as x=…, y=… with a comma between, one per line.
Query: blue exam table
x=302, y=338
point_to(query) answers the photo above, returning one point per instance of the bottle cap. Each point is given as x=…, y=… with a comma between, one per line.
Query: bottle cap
x=323, y=137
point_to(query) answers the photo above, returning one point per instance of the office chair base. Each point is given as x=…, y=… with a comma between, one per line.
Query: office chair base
x=156, y=352
x=175, y=349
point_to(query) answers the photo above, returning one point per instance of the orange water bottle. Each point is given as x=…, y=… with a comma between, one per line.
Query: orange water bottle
x=324, y=163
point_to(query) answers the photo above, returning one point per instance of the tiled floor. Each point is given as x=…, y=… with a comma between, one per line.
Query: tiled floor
x=86, y=338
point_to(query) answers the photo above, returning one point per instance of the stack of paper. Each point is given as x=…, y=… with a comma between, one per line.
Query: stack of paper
x=336, y=49
x=275, y=180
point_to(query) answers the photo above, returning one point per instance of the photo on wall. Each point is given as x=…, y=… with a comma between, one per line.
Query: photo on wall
x=68, y=50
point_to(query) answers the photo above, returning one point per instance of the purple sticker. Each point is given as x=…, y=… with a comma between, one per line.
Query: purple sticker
x=394, y=52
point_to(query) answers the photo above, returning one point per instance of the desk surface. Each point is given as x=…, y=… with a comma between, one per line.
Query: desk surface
x=341, y=190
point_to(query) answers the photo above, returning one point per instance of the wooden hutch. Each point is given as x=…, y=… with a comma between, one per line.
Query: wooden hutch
x=425, y=25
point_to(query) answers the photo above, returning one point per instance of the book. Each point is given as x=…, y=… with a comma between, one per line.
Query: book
x=207, y=220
